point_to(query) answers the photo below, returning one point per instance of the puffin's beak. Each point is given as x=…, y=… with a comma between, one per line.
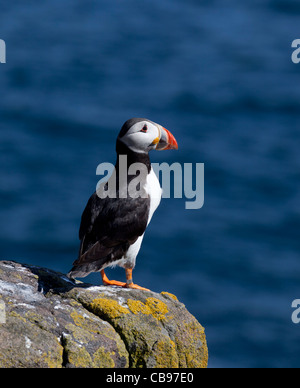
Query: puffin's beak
x=166, y=141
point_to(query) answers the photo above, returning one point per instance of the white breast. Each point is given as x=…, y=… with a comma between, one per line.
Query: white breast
x=154, y=190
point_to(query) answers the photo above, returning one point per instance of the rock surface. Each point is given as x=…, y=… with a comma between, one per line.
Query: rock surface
x=49, y=321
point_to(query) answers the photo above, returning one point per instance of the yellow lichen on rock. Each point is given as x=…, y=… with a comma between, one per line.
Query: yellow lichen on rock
x=152, y=306
x=80, y=335
x=103, y=358
x=137, y=307
x=81, y=358
x=83, y=323
x=53, y=359
x=108, y=307
x=164, y=293
x=158, y=308
x=166, y=355
x=77, y=318
x=189, y=341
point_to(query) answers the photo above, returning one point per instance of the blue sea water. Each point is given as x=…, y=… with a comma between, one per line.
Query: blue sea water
x=219, y=76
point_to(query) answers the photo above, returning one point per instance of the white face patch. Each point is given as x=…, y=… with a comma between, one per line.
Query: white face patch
x=140, y=137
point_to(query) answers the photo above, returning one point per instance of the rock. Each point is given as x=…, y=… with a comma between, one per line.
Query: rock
x=50, y=321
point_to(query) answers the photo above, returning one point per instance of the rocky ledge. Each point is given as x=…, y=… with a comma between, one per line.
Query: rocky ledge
x=46, y=320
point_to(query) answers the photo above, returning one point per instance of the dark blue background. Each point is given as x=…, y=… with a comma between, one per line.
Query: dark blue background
x=219, y=76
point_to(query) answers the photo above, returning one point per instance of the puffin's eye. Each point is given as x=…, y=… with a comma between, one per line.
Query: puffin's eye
x=145, y=129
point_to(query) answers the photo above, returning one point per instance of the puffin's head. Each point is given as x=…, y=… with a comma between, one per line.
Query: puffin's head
x=143, y=135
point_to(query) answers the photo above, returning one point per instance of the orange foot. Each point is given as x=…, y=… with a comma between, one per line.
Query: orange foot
x=128, y=284
x=108, y=282
x=136, y=287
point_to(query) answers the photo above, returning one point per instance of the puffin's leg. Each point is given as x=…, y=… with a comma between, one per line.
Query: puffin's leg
x=108, y=282
x=129, y=283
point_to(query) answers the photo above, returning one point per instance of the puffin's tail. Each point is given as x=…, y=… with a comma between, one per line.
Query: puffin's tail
x=97, y=258
x=86, y=263
x=80, y=271
x=76, y=273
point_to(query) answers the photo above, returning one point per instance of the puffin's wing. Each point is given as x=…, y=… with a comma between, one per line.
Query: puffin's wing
x=108, y=227
x=91, y=212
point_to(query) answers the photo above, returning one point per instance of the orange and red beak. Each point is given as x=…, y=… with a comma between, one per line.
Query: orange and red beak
x=166, y=141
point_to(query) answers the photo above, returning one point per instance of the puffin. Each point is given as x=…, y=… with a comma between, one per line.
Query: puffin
x=113, y=226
